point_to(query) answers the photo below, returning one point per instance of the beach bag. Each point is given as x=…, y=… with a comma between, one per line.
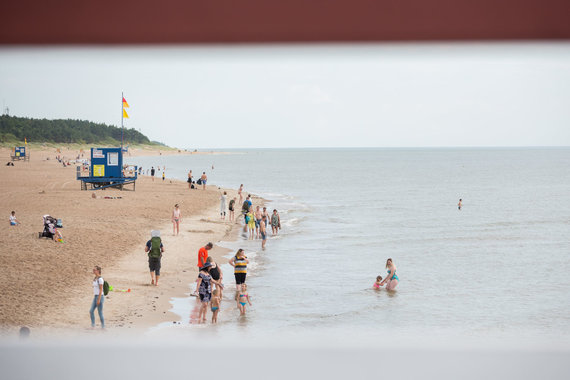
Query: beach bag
x=155, y=247
x=199, y=181
x=106, y=288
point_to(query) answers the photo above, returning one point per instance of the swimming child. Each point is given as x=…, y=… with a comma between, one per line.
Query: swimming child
x=215, y=304
x=378, y=283
x=242, y=297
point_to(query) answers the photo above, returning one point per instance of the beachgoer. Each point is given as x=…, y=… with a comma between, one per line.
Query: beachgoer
x=152, y=173
x=239, y=193
x=202, y=257
x=263, y=231
x=459, y=204
x=250, y=219
x=275, y=222
x=189, y=179
x=204, y=179
x=239, y=262
x=392, y=279
x=242, y=297
x=266, y=214
x=378, y=282
x=223, y=199
x=163, y=176
x=257, y=220
x=176, y=219
x=98, y=298
x=154, y=248
x=215, y=304
x=216, y=272
x=13, y=220
x=231, y=208
x=204, y=284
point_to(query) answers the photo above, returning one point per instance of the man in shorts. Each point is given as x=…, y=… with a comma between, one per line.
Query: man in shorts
x=202, y=257
x=154, y=248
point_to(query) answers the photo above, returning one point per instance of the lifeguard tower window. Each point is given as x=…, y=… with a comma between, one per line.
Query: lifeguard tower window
x=113, y=159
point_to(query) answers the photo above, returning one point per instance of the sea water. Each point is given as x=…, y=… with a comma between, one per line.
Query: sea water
x=499, y=268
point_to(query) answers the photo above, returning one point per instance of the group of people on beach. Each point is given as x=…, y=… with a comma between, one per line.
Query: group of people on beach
x=209, y=284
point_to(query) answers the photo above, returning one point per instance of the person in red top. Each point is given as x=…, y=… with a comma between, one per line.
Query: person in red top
x=202, y=256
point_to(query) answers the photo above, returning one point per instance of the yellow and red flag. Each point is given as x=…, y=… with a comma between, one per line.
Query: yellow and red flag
x=125, y=104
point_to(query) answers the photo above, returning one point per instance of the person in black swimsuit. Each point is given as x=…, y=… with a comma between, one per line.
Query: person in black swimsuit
x=216, y=273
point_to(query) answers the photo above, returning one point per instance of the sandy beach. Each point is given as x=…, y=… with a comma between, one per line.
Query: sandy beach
x=46, y=285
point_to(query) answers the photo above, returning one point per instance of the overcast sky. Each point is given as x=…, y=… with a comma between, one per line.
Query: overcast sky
x=393, y=95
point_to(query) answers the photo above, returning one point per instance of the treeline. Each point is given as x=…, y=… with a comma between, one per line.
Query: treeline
x=15, y=129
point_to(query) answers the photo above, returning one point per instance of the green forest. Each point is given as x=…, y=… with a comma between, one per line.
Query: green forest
x=14, y=129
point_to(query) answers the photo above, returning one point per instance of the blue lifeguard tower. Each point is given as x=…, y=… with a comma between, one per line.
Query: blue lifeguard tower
x=20, y=153
x=107, y=170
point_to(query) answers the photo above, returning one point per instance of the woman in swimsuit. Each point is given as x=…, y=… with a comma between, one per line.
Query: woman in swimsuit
x=392, y=279
x=204, y=285
x=239, y=193
x=176, y=219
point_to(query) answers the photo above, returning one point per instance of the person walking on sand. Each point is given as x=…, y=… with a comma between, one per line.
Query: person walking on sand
x=202, y=257
x=392, y=279
x=13, y=220
x=98, y=298
x=189, y=179
x=154, y=248
x=459, y=204
x=163, y=176
x=176, y=219
x=232, y=209
x=223, y=199
x=204, y=179
x=275, y=222
x=152, y=173
x=239, y=193
x=239, y=262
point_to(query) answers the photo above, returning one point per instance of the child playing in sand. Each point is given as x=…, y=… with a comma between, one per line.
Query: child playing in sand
x=13, y=220
x=215, y=305
x=241, y=297
x=378, y=283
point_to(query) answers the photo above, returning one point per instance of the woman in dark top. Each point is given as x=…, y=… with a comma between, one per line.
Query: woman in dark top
x=205, y=290
x=216, y=273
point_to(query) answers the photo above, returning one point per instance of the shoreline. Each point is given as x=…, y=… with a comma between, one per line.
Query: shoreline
x=106, y=232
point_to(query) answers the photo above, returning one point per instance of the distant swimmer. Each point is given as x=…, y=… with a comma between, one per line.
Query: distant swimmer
x=459, y=205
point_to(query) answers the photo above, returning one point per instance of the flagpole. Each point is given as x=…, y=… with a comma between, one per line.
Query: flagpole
x=122, y=117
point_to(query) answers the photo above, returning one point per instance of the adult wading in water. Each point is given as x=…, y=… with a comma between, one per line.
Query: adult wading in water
x=392, y=279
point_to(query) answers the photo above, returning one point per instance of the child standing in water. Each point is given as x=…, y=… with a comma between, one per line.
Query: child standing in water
x=242, y=297
x=215, y=305
x=378, y=283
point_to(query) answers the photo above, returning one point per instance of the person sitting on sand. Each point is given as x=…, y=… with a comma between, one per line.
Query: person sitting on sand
x=13, y=220
x=241, y=299
x=155, y=249
x=215, y=304
x=392, y=279
x=378, y=282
